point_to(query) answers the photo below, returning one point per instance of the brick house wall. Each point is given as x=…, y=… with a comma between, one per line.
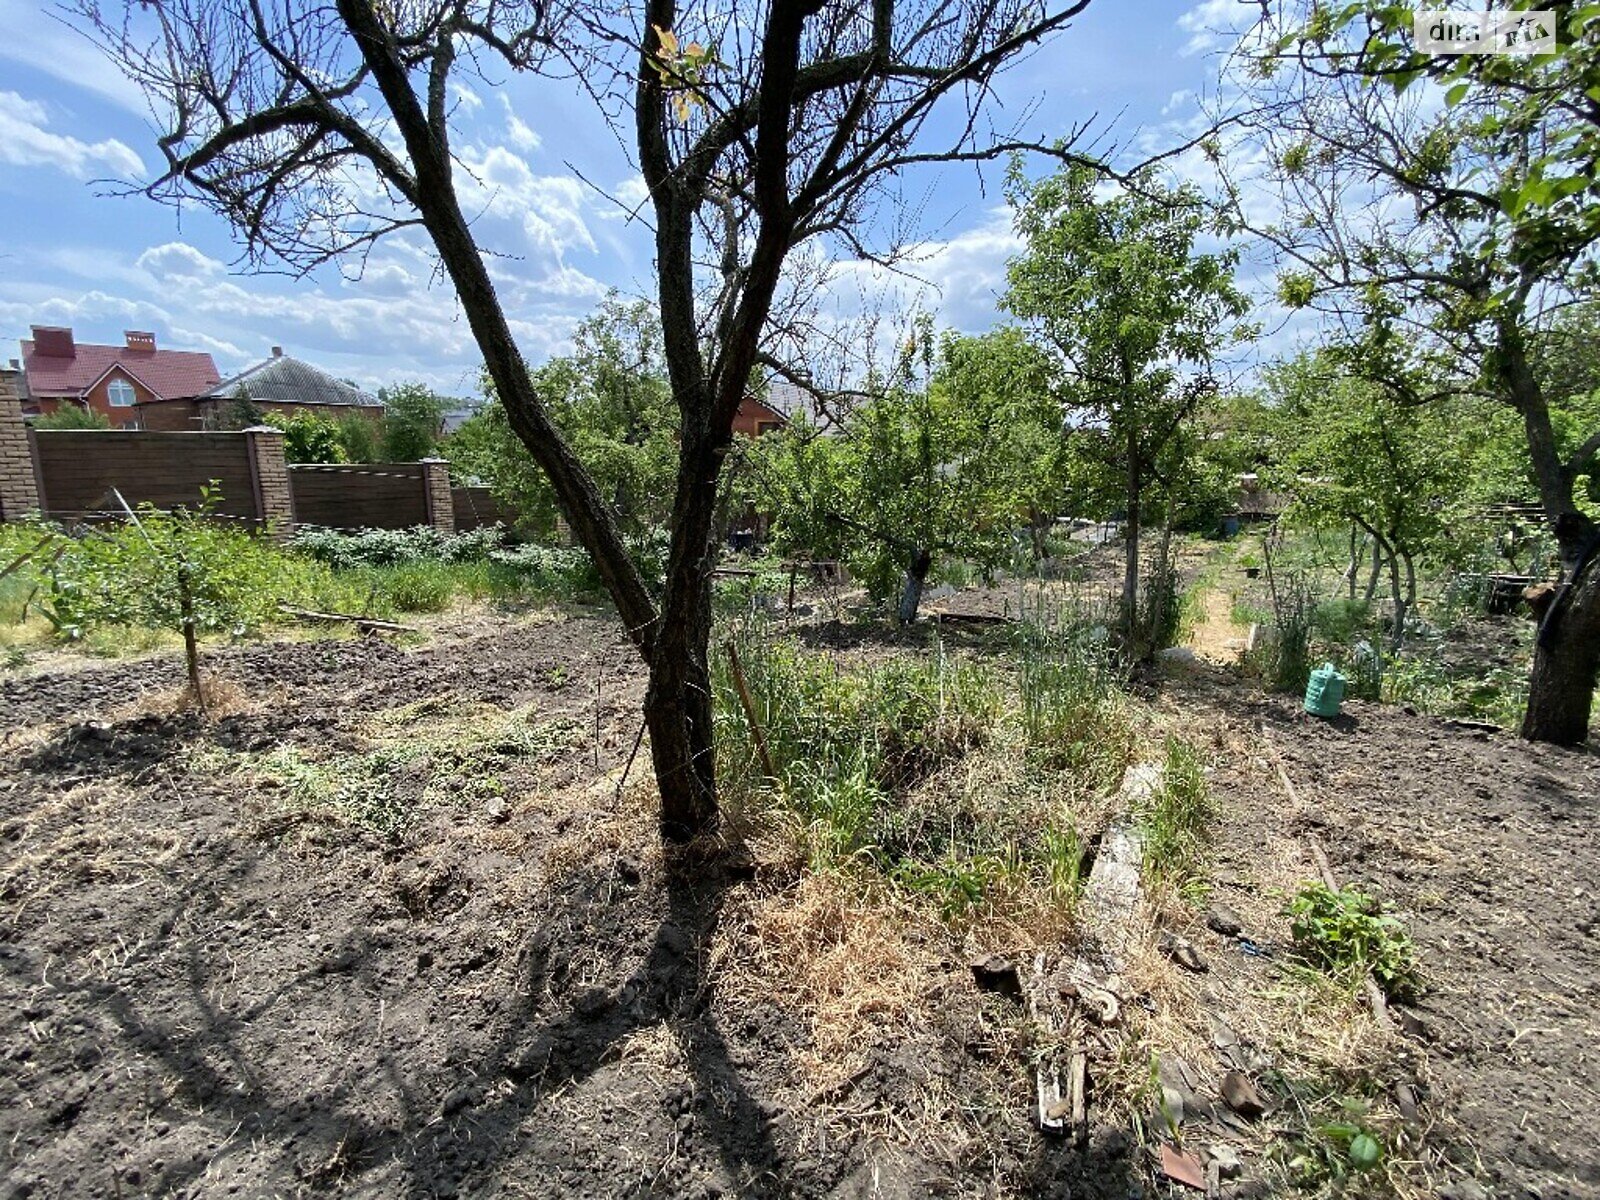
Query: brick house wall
x=753, y=418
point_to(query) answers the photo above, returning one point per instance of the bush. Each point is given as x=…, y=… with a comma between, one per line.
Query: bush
x=73, y=416
x=391, y=547
x=1346, y=933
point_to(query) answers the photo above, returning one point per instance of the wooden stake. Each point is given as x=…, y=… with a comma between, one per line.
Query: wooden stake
x=1375, y=1000
x=750, y=712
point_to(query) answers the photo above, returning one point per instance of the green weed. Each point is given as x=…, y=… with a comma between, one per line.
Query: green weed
x=1346, y=934
x=1174, y=818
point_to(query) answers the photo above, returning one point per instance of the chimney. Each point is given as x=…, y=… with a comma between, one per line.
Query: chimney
x=53, y=341
x=277, y=352
x=139, y=340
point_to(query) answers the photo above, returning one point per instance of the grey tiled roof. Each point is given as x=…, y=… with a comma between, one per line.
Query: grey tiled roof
x=285, y=380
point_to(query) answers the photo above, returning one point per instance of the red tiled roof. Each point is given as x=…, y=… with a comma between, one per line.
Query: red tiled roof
x=170, y=374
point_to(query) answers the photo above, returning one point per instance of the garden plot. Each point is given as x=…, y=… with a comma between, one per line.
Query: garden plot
x=393, y=924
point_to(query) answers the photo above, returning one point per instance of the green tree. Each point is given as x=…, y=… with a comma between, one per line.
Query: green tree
x=1115, y=291
x=1358, y=454
x=612, y=402
x=178, y=570
x=413, y=419
x=1460, y=228
x=358, y=436
x=951, y=459
x=308, y=437
x=242, y=412
x=72, y=416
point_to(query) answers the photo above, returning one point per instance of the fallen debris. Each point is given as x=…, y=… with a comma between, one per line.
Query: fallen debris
x=1182, y=1167
x=364, y=624
x=1222, y=919
x=996, y=973
x=1182, y=951
x=1239, y=1094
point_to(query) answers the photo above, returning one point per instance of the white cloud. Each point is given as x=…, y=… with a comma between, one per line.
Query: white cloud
x=521, y=134
x=25, y=142
x=179, y=261
x=38, y=39
x=550, y=208
x=1213, y=24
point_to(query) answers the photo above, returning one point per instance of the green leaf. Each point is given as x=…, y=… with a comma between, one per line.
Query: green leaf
x=1365, y=1153
x=1457, y=94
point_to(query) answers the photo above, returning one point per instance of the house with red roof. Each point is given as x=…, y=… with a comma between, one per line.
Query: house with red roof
x=57, y=370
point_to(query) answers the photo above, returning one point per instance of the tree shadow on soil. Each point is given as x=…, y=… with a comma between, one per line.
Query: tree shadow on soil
x=217, y=1060
x=545, y=1053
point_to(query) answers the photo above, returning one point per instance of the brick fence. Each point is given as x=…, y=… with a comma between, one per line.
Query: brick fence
x=19, y=485
x=69, y=475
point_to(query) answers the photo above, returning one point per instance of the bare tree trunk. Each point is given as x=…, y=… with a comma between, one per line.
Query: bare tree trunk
x=1375, y=573
x=1566, y=656
x=1401, y=609
x=1354, y=569
x=911, y=591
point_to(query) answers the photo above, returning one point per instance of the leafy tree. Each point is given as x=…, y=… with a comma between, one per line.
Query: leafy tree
x=242, y=412
x=317, y=129
x=308, y=437
x=611, y=400
x=951, y=459
x=178, y=570
x=72, y=416
x=1115, y=291
x=1358, y=454
x=413, y=417
x=1454, y=231
x=358, y=436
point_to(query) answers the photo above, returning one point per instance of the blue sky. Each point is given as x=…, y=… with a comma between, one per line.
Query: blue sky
x=103, y=264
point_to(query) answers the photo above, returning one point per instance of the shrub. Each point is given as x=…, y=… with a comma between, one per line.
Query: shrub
x=73, y=416
x=1345, y=932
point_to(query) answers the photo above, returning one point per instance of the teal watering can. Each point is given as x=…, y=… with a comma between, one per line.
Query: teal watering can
x=1325, y=691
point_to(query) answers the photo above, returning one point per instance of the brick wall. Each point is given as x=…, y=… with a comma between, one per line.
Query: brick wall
x=274, y=492
x=440, y=503
x=78, y=469
x=18, y=493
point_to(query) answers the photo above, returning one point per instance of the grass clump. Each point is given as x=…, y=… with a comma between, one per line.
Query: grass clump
x=1345, y=933
x=927, y=774
x=1174, y=818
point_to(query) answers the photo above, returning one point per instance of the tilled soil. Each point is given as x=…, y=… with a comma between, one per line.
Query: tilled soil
x=209, y=990
x=1483, y=845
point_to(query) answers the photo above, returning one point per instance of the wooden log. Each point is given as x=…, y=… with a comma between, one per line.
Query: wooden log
x=307, y=614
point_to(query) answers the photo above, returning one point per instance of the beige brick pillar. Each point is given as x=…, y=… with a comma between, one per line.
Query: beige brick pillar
x=269, y=477
x=19, y=486
x=436, y=487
